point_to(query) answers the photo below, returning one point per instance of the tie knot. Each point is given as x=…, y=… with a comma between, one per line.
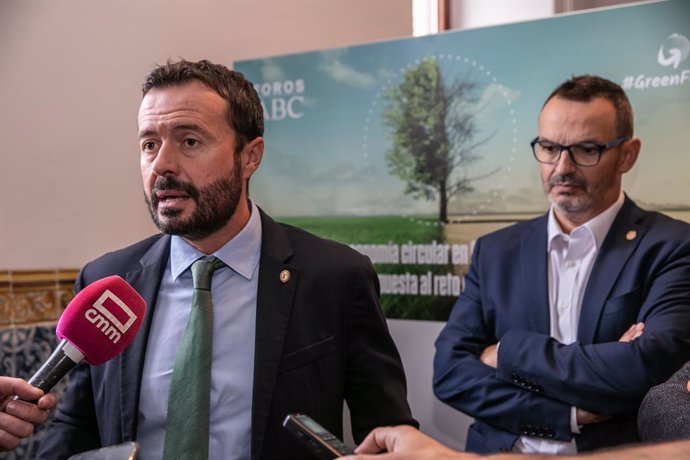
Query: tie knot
x=202, y=272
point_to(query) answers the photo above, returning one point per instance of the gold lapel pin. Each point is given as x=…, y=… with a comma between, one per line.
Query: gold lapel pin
x=284, y=276
x=631, y=235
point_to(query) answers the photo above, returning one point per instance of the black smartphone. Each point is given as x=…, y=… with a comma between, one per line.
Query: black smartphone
x=318, y=439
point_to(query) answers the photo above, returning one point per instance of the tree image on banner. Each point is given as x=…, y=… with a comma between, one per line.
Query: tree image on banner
x=433, y=133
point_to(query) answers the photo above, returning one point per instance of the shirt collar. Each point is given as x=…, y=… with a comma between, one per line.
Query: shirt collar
x=241, y=253
x=598, y=226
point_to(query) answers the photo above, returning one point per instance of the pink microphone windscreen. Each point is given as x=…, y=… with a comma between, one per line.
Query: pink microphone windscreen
x=102, y=319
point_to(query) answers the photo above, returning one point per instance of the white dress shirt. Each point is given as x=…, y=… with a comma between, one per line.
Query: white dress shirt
x=570, y=258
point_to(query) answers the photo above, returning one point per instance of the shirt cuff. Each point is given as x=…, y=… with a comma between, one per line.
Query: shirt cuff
x=574, y=427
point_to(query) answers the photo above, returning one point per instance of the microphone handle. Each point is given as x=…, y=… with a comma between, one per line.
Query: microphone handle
x=64, y=358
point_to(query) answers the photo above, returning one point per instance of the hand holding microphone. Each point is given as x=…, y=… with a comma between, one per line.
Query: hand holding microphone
x=97, y=325
x=17, y=418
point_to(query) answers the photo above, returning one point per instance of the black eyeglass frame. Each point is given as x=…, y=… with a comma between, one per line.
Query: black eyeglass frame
x=600, y=149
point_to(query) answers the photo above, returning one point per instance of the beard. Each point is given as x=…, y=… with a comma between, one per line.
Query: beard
x=570, y=204
x=215, y=205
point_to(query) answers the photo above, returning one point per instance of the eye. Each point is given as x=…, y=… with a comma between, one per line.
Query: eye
x=549, y=148
x=191, y=142
x=148, y=146
x=587, y=148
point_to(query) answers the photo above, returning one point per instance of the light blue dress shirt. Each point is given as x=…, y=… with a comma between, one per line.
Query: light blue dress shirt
x=233, y=290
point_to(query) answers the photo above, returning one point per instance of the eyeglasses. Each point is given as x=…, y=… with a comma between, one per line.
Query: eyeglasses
x=582, y=153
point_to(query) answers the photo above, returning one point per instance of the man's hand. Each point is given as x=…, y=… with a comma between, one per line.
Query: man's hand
x=403, y=443
x=585, y=417
x=17, y=418
x=490, y=356
x=634, y=332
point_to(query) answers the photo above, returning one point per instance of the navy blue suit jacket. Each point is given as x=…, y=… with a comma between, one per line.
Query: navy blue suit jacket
x=321, y=337
x=642, y=273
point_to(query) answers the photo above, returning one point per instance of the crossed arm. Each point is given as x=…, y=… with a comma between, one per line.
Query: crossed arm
x=490, y=358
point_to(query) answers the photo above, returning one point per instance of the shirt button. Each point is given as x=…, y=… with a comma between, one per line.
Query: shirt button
x=570, y=264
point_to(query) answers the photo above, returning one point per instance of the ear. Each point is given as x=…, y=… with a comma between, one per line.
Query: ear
x=629, y=153
x=252, y=153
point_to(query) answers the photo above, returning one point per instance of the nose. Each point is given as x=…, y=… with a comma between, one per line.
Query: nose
x=565, y=164
x=166, y=161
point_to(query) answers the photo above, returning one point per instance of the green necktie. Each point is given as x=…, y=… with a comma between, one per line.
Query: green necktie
x=186, y=434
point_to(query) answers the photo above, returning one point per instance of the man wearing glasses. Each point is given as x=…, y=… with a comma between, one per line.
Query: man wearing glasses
x=568, y=319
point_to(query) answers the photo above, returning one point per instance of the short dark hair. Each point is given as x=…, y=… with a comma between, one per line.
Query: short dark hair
x=584, y=88
x=245, y=114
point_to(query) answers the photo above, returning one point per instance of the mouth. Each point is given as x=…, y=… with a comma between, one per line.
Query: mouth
x=170, y=198
x=170, y=195
x=564, y=187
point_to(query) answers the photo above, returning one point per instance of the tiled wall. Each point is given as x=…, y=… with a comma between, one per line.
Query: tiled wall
x=30, y=304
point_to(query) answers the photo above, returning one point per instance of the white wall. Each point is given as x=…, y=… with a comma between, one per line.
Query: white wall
x=468, y=14
x=415, y=341
x=70, y=76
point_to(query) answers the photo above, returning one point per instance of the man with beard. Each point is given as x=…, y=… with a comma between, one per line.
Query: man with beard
x=296, y=323
x=568, y=319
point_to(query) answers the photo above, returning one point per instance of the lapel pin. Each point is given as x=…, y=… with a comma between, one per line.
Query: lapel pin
x=631, y=235
x=284, y=276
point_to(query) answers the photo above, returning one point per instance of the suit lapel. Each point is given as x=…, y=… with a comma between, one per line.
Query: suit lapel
x=275, y=296
x=533, y=258
x=146, y=281
x=620, y=242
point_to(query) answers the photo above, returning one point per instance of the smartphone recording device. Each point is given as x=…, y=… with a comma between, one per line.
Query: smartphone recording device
x=315, y=437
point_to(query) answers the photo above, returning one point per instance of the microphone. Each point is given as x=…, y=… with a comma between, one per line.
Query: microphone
x=97, y=325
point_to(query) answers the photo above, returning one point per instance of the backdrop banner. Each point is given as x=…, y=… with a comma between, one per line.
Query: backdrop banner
x=409, y=150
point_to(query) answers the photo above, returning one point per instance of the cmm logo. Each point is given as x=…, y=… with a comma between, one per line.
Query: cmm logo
x=107, y=315
x=673, y=51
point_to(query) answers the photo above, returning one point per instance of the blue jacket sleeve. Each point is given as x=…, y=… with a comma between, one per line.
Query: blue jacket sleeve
x=465, y=383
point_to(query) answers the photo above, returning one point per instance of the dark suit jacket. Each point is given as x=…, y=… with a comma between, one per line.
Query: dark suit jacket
x=665, y=411
x=320, y=338
x=642, y=273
